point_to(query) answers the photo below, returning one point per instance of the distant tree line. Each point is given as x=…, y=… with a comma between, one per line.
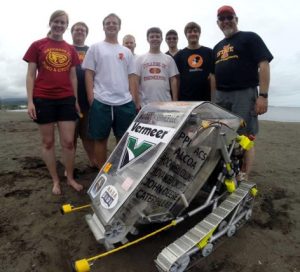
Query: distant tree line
x=13, y=103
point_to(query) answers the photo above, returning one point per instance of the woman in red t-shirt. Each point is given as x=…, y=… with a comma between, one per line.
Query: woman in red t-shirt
x=52, y=95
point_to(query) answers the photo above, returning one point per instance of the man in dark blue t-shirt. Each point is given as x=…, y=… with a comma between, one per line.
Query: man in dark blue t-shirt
x=241, y=64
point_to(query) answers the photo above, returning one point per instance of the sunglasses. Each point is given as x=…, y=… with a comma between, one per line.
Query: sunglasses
x=228, y=17
x=171, y=38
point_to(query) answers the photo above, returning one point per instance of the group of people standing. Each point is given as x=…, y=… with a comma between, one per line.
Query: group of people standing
x=105, y=85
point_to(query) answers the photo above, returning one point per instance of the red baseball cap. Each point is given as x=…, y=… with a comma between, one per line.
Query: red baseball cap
x=227, y=9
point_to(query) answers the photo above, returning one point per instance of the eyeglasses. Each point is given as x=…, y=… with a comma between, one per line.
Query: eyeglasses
x=171, y=38
x=79, y=30
x=228, y=17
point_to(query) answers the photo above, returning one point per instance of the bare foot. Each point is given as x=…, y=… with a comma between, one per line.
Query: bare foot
x=78, y=187
x=56, y=189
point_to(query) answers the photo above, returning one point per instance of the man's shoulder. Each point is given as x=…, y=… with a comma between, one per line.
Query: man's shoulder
x=142, y=56
x=205, y=49
x=166, y=56
x=181, y=52
x=96, y=45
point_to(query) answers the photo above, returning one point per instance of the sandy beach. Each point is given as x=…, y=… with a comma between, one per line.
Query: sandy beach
x=36, y=237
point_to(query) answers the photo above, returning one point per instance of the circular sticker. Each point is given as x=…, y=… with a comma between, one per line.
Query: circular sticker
x=109, y=197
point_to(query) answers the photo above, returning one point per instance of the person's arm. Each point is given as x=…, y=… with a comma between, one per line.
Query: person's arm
x=30, y=79
x=73, y=78
x=174, y=87
x=213, y=87
x=261, y=106
x=89, y=85
x=134, y=89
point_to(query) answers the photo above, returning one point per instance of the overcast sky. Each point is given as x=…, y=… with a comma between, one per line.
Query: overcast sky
x=276, y=21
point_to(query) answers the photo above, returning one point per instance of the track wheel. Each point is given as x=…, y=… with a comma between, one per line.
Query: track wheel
x=207, y=249
x=248, y=214
x=181, y=264
x=231, y=231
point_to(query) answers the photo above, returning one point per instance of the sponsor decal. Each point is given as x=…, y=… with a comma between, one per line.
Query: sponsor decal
x=134, y=150
x=142, y=138
x=127, y=184
x=109, y=197
x=97, y=186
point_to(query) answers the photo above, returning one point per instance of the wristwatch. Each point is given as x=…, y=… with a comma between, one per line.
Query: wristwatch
x=264, y=95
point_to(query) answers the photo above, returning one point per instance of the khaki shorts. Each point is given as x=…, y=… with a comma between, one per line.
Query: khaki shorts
x=242, y=103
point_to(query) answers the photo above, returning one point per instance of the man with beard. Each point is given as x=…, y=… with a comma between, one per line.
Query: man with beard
x=241, y=63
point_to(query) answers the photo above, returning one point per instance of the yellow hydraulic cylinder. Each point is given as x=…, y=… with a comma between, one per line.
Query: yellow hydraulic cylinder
x=245, y=142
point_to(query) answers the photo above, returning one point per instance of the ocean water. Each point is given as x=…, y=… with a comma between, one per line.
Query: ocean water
x=279, y=114
x=282, y=114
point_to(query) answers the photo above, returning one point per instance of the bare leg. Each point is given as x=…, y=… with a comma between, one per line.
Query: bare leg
x=48, y=154
x=248, y=161
x=100, y=152
x=89, y=147
x=66, y=134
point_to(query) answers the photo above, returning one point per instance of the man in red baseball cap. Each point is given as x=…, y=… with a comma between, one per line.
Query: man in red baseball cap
x=227, y=20
x=226, y=9
x=241, y=64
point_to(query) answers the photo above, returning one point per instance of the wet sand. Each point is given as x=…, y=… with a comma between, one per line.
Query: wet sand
x=34, y=236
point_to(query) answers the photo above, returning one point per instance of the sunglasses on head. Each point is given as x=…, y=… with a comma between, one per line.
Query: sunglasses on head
x=223, y=18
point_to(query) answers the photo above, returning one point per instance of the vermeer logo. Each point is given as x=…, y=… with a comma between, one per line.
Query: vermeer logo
x=141, y=139
x=134, y=150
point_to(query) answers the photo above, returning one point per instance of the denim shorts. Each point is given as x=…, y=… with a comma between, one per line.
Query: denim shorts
x=103, y=117
x=55, y=110
x=242, y=103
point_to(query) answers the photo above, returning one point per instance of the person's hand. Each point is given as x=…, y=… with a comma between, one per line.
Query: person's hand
x=31, y=110
x=138, y=108
x=77, y=107
x=90, y=97
x=261, y=105
x=78, y=110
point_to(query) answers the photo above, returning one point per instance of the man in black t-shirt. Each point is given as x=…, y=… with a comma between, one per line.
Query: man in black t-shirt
x=195, y=66
x=79, y=33
x=241, y=63
x=172, y=40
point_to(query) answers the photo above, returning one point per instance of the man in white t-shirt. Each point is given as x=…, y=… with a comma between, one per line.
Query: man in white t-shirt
x=156, y=72
x=111, y=88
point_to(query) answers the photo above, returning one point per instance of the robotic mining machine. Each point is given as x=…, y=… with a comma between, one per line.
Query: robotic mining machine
x=170, y=153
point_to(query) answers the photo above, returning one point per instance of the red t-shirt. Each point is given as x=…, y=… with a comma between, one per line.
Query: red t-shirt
x=54, y=60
